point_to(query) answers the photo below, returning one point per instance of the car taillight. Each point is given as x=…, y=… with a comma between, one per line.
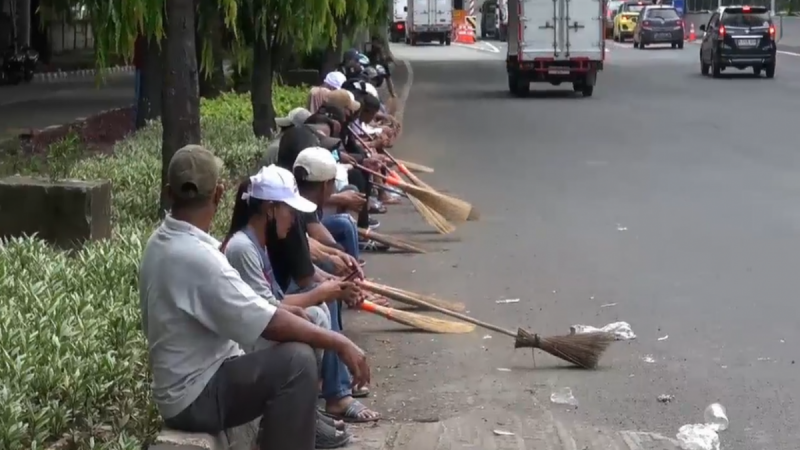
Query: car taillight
x=772, y=31
x=721, y=31
x=400, y=26
x=745, y=9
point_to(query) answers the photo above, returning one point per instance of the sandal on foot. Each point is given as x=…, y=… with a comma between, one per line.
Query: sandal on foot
x=353, y=413
x=328, y=437
x=338, y=424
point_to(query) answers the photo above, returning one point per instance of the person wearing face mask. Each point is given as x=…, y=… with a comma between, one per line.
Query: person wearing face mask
x=197, y=313
x=261, y=203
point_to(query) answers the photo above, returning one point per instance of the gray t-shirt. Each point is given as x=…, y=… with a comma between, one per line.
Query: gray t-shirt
x=243, y=255
x=196, y=312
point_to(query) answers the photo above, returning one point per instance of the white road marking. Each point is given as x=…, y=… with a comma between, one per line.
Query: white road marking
x=479, y=47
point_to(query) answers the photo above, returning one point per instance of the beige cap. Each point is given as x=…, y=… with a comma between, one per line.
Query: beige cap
x=343, y=99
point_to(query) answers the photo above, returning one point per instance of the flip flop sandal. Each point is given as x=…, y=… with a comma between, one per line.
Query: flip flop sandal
x=360, y=393
x=377, y=209
x=330, y=420
x=373, y=246
x=328, y=437
x=352, y=414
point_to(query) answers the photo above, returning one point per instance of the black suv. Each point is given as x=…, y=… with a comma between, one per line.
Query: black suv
x=741, y=37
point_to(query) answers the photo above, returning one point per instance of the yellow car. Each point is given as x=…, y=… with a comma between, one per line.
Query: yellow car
x=625, y=19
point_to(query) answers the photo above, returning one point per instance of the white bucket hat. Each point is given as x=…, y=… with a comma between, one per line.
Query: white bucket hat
x=276, y=184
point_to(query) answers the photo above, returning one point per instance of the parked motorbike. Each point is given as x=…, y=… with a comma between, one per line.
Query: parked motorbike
x=18, y=65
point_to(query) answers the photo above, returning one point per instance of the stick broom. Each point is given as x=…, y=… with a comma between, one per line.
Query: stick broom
x=582, y=350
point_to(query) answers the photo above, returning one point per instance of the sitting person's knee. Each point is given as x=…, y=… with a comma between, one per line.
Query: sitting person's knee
x=319, y=316
x=300, y=359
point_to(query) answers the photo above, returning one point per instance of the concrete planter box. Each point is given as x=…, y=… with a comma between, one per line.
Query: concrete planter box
x=64, y=213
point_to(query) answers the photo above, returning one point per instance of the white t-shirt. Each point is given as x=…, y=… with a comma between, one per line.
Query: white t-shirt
x=196, y=311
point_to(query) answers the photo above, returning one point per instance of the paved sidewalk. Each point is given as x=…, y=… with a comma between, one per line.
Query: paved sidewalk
x=536, y=430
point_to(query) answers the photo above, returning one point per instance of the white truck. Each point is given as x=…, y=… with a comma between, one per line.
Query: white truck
x=397, y=28
x=429, y=21
x=555, y=41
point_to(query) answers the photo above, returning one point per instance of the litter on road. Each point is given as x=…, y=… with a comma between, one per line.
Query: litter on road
x=507, y=301
x=564, y=396
x=620, y=330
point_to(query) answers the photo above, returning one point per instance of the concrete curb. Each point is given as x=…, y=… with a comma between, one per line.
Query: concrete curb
x=51, y=77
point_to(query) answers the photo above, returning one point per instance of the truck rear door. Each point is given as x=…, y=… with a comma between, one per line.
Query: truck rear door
x=421, y=18
x=560, y=29
x=443, y=14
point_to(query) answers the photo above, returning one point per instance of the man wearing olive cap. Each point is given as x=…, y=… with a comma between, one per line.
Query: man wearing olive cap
x=197, y=313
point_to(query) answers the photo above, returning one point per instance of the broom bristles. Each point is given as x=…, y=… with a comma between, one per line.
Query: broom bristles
x=391, y=241
x=416, y=166
x=449, y=207
x=432, y=217
x=418, y=321
x=582, y=350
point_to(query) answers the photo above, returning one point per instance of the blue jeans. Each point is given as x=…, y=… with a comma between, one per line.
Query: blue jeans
x=344, y=231
x=336, y=379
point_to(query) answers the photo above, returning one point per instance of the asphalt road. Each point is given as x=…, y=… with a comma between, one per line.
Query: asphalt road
x=39, y=105
x=670, y=196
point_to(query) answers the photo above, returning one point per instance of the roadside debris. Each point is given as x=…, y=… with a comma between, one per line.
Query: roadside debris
x=503, y=433
x=648, y=359
x=564, y=396
x=608, y=305
x=621, y=330
x=663, y=338
x=715, y=416
x=507, y=301
x=666, y=398
x=704, y=436
x=621, y=228
x=488, y=336
x=503, y=369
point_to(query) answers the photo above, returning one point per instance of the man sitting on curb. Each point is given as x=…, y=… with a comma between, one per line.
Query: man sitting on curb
x=197, y=311
x=295, y=118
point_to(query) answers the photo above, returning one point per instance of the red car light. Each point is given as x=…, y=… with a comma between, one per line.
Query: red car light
x=721, y=31
x=772, y=31
x=745, y=8
x=401, y=26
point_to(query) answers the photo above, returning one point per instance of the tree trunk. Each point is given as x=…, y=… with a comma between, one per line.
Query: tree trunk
x=211, y=84
x=261, y=91
x=333, y=54
x=149, y=104
x=180, y=102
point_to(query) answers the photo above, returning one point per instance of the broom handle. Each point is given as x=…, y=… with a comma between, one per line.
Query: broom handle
x=389, y=189
x=410, y=300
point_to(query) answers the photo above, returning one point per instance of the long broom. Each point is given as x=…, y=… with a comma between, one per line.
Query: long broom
x=474, y=214
x=449, y=207
x=415, y=167
x=391, y=241
x=582, y=350
x=430, y=216
x=401, y=294
x=418, y=321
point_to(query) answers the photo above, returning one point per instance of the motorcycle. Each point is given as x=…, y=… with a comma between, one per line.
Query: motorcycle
x=18, y=65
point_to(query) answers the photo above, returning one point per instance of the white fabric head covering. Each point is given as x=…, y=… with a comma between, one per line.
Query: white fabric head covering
x=276, y=184
x=335, y=79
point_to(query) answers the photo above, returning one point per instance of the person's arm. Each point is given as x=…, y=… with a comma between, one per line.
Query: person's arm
x=319, y=233
x=318, y=253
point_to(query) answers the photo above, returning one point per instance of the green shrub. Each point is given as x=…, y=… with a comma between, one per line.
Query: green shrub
x=234, y=106
x=74, y=361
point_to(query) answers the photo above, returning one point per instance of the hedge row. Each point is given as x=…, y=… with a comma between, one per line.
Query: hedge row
x=73, y=361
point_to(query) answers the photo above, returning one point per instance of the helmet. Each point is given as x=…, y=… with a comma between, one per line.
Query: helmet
x=380, y=70
x=363, y=59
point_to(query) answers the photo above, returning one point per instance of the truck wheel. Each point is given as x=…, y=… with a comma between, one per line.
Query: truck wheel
x=441, y=41
x=447, y=41
x=769, y=70
x=587, y=90
x=519, y=87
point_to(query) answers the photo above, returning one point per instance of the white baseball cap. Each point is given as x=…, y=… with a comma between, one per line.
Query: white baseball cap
x=276, y=184
x=335, y=79
x=319, y=164
x=296, y=117
x=371, y=90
